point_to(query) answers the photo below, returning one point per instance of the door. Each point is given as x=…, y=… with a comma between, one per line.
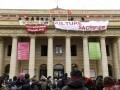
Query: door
x=43, y=70
x=58, y=71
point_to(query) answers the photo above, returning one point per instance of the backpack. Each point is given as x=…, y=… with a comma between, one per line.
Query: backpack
x=54, y=86
x=36, y=87
x=48, y=87
x=65, y=81
x=99, y=83
x=62, y=83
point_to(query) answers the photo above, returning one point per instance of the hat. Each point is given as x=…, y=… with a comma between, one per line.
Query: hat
x=88, y=81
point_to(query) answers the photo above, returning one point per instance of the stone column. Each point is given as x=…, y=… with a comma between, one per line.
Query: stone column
x=13, y=60
x=104, y=57
x=99, y=65
x=1, y=56
x=86, y=57
x=68, y=56
x=32, y=57
x=50, y=57
x=118, y=49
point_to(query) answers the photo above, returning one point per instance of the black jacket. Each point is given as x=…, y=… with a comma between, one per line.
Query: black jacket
x=75, y=85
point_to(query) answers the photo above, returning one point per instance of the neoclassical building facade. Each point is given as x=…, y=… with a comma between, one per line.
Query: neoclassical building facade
x=55, y=52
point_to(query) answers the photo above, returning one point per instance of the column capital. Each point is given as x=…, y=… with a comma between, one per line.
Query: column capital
x=32, y=36
x=85, y=36
x=50, y=36
x=14, y=36
x=118, y=37
x=102, y=36
x=68, y=36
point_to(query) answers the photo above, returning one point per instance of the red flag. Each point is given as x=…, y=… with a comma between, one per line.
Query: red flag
x=52, y=12
x=17, y=16
x=111, y=16
x=87, y=16
x=60, y=11
x=8, y=17
x=69, y=12
x=25, y=15
x=0, y=17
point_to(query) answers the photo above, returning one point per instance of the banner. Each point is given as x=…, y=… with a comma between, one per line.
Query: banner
x=81, y=26
x=23, y=51
x=24, y=22
x=94, y=51
x=36, y=28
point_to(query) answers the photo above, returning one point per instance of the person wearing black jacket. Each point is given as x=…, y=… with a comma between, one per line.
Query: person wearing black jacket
x=76, y=81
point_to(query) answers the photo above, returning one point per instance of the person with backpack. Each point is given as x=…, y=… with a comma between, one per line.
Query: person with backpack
x=12, y=84
x=49, y=83
x=109, y=84
x=61, y=83
x=36, y=85
x=44, y=83
x=89, y=84
x=27, y=86
x=76, y=82
x=54, y=85
x=99, y=83
x=2, y=87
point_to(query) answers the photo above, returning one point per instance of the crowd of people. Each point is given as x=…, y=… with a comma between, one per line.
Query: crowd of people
x=75, y=82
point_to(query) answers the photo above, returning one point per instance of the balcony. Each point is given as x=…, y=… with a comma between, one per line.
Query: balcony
x=16, y=24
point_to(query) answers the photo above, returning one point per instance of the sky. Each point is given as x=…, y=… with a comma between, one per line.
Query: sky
x=65, y=4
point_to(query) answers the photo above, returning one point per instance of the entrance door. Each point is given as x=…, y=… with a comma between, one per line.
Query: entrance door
x=58, y=71
x=7, y=70
x=110, y=70
x=43, y=70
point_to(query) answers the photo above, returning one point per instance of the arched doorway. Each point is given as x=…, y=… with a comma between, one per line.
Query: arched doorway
x=7, y=69
x=74, y=66
x=110, y=70
x=58, y=71
x=43, y=70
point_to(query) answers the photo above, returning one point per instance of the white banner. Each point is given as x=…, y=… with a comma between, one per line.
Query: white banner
x=81, y=26
x=24, y=22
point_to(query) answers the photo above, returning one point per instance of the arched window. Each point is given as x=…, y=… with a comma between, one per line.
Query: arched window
x=58, y=71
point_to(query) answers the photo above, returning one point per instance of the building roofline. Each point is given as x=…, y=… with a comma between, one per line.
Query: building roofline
x=65, y=9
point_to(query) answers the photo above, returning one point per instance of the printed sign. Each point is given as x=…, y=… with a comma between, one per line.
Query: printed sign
x=36, y=28
x=23, y=51
x=81, y=26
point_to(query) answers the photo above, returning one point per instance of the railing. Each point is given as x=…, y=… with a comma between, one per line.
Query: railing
x=16, y=23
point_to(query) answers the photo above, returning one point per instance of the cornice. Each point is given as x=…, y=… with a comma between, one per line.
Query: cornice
x=47, y=11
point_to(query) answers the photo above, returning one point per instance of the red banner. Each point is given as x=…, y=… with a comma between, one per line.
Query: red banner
x=23, y=50
x=36, y=28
